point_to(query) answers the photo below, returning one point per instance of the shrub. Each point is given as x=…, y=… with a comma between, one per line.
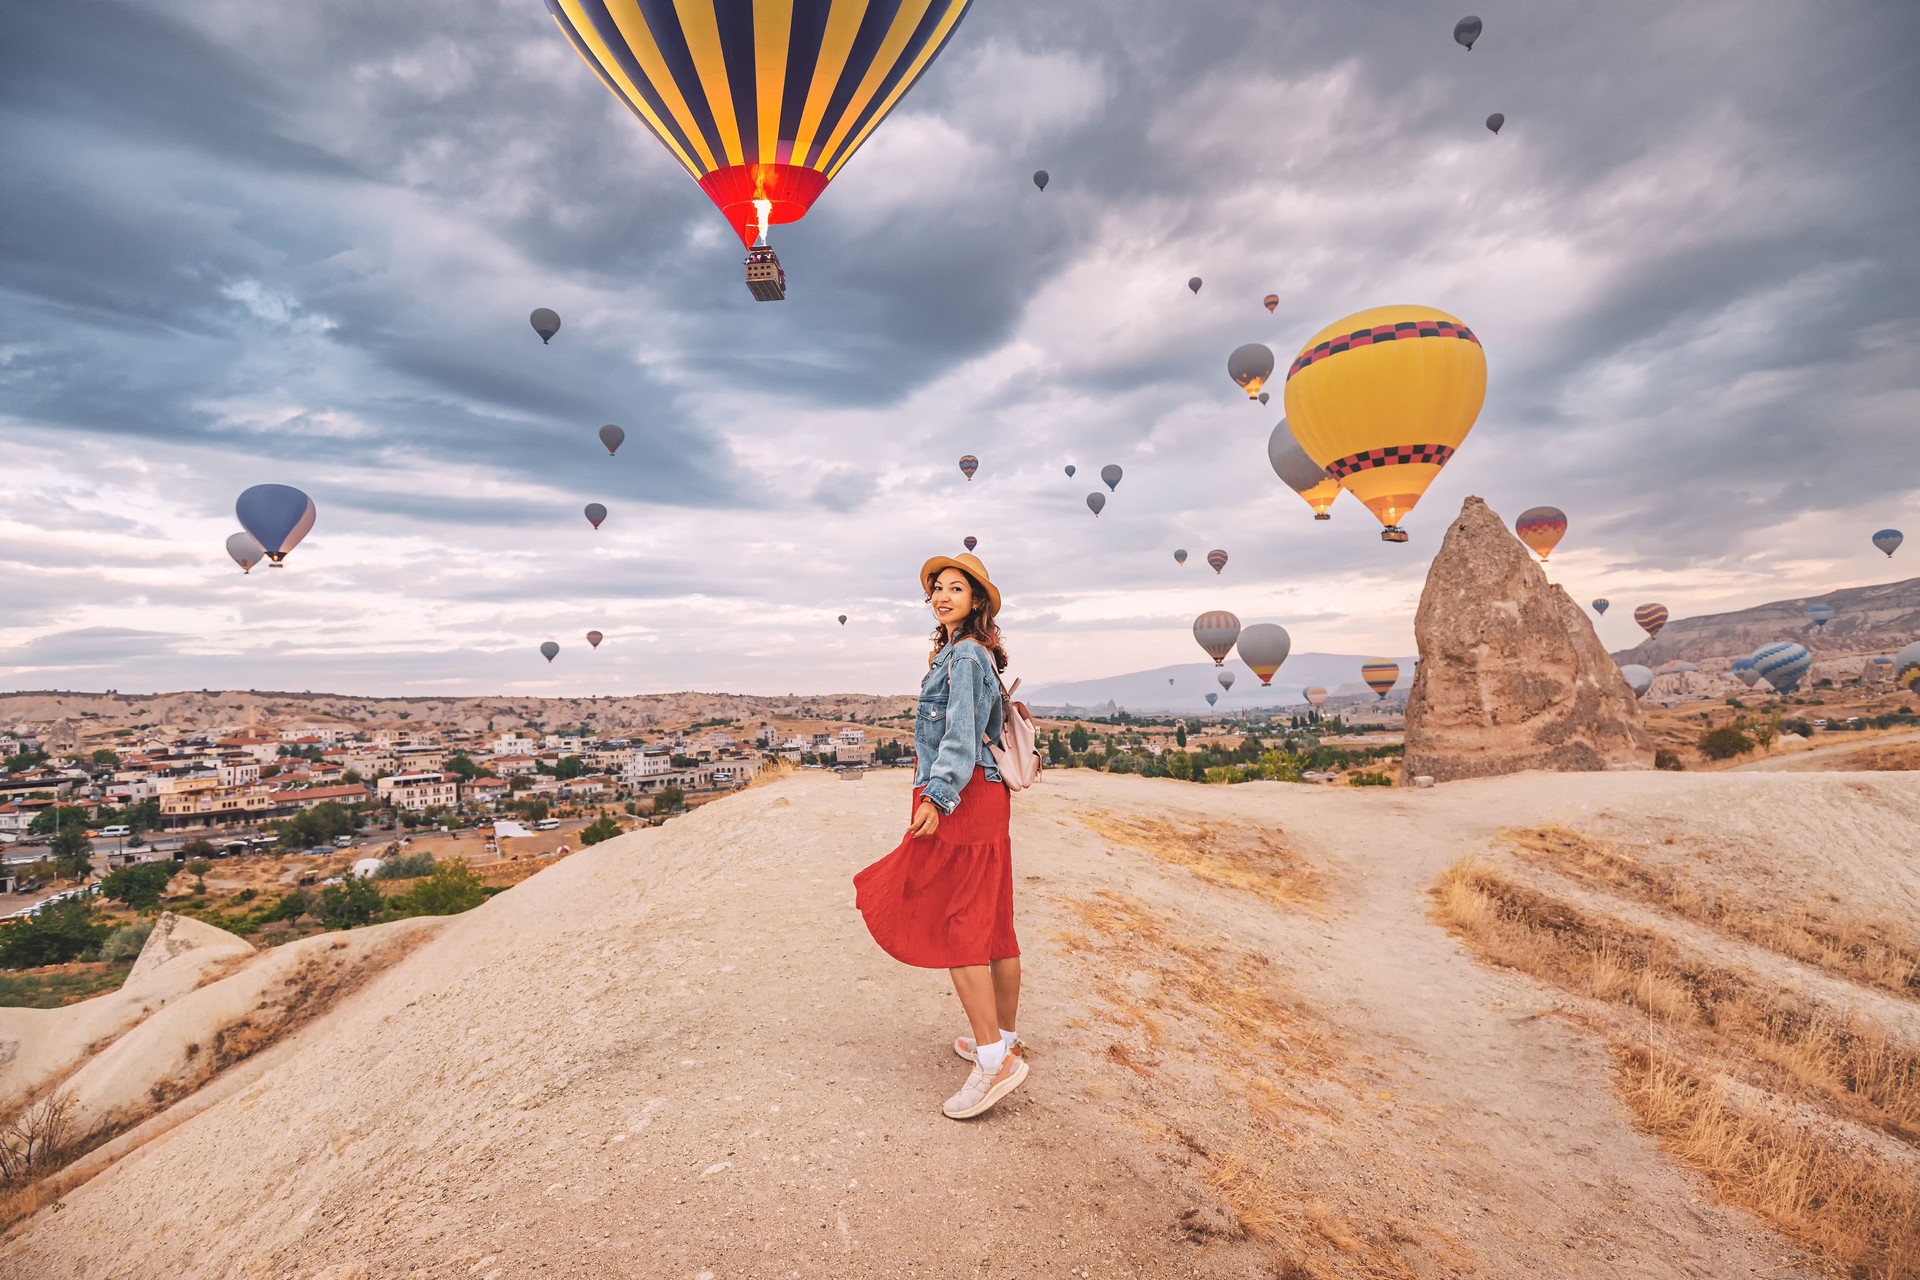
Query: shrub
x=598, y=830
x=1667, y=758
x=1365, y=779
x=452, y=888
x=54, y=935
x=140, y=885
x=668, y=799
x=1726, y=742
x=125, y=942
x=72, y=853
x=195, y=849
x=291, y=906
x=406, y=866
x=353, y=902
x=1796, y=725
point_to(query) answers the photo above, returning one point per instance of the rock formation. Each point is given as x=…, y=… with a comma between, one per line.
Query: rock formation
x=1511, y=675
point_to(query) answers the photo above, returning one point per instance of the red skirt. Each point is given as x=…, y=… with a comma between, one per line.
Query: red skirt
x=946, y=900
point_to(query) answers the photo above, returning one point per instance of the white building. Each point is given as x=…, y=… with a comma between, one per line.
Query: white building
x=420, y=791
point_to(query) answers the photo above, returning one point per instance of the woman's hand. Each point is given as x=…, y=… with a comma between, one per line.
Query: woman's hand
x=926, y=820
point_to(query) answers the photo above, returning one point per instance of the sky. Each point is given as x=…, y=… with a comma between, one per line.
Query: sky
x=245, y=243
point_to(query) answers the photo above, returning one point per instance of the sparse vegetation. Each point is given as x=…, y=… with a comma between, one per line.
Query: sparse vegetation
x=1726, y=742
x=55, y=934
x=602, y=828
x=1669, y=759
x=139, y=886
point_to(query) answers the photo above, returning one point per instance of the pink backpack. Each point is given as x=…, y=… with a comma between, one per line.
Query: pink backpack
x=1018, y=759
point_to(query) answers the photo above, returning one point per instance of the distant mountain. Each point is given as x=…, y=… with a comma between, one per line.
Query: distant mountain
x=1148, y=691
x=1866, y=620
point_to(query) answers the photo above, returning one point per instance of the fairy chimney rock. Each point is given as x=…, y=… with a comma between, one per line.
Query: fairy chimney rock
x=1511, y=674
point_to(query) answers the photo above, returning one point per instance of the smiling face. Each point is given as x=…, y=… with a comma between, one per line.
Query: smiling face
x=952, y=599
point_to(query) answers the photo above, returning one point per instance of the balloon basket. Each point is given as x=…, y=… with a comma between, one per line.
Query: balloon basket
x=766, y=280
x=1322, y=515
x=1393, y=533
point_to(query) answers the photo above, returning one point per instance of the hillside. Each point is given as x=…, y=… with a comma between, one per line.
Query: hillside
x=1867, y=620
x=1255, y=1053
x=1148, y=691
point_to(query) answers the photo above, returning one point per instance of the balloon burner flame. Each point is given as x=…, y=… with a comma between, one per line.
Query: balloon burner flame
x=763, y=209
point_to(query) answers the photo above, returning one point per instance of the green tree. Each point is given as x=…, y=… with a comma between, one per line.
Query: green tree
x=570, y=767
x=463, y=765
x=598, y=830
x=452, y=888
x=106, y=758
x=1726, y=742
x=1057, y=752
x=25, y=760
x=316, y=826
x=1079, y=739
x=198, y=847
x=669, y=799
x=291, y=906
x=53, y=935
x=58, y=817
x=353, y=902
x=1180, y=735
x=140, y=885
x=352, y=778
x=72, y=852
x=198, y=869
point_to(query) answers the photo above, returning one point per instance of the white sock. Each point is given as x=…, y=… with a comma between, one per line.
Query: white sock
x=1008, y=1039
x=990, y=1055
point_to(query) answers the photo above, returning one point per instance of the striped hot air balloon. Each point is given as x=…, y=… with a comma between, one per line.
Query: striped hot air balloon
x=1217, y=559
x=1315, y=695
x=1263, y=647
x=1820, y=614
x=1888, y=540
x=968, y=465
x=1601, y=605
x=1180, y=556
x=1741, y=669
x=1541, y=528
x=1651, y=618
x=1381, y=674
x=1906, y=666
x=1216, y=630
x=1782, y=664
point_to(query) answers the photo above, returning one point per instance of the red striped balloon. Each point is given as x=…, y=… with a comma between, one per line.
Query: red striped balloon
x=1381, y=674
x=1218, y=559
x=1651, y=617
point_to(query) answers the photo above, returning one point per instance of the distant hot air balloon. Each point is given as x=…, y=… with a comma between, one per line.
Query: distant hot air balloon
x=1110, y=474
x=1495, y=120
x=1212, y=698
x=1466, y=31
x=1782, y=664
x=970, y=541
x=549, y=650
x=1250, y=365
x=1315, y=695
x=1600, y=606
x=1299, y=472
x=1180, y=556
x=1820, y=614
x=1095, y=501
x=1271, y=301
x=1263, y=647
x=546, y=323
x=1225, y=677
x=1741, y=669
x=1381, y=674
x=1170, y=678
x=1040, y=179
x=1638, y=678
x=1674, y=668
x=1382, y=398
x=1541, y=528
x=843, y=619
x=1070, y=471
x=595, y=514
x=1216, y=630
x=1906, y=667
x=968, y=465
x=277, y=515
x=245, y=550
x=612, y=437
x=1651, y=618
x=1263, y=397
x=1888, y=540
x=1217, y=559
x=593, y=638
x=1194, y=284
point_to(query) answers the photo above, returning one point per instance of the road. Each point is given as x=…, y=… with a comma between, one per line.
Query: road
x=1809, y=760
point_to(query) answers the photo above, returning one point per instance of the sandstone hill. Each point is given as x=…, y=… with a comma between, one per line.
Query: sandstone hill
x=1277, y=1030
x=1867, y=620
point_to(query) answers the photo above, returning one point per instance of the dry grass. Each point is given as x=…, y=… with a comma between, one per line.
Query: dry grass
x=1899, y=756
x=36, y=1141
x=1791, y=1163
x=1228, y=855
x=1878, y=953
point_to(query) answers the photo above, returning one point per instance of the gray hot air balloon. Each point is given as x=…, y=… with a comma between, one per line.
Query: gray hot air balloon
x=1095, y=501
x=1111, y=474
x=546, y=323
x=549, y=650
x=843, y=619
x=1639, y=678
x=1299, y=472
x=245, y=550
x=612, y=437
x=1040, y=179
x=1495, y=120
x=1216, y=630
x=1194, y=284
x=1225, y=677
x=1212, y=698
x=1250, y=365
x=1263, y=397
x=277, y=515
x=1070, y=470
x=1263, y=647
x=595, y=514
x=1466, y=31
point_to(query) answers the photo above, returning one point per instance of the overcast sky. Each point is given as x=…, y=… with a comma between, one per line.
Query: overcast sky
x=243, y=243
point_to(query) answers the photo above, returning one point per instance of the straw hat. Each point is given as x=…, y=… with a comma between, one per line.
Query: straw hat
x=967, y=563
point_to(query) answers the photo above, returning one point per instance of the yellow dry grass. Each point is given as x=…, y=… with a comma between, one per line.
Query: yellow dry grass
x=1879, y=953
x=1227, y=855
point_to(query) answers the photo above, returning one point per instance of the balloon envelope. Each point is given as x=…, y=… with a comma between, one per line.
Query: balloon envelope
x=1651, y=618
x=594, y=638
x=595, y=514
x=1180, y=556
x=1216, y=630
x=1638, y=678
x=1466, y=31
x=1212, y=698
x=968, y=465
x=1889, y=540
x=1820, y=614
x=1217, y=559
x=277, y=515
x=1906, y=666
x=1194, y=284
x=843, y=619
x=1271, y=301
x=1250, y=365
x=1263, y=647
x=546, y=323
x=1381, y=674
x=970, y=541
x=612, y=437
x=1541, y=528
x=245, y=550
x=1070, y=470
x=1095, y=501
x=1601, y=605
x=1225, y=677
x=1111, y=474
x=1040, y=179
x=1495, y=120
x=548, y=649
x=1299, y=472
x=1782, y=664
x=1315, y=694
x=1741, y=669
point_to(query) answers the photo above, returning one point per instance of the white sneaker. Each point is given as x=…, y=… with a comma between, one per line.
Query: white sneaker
x=966, y=1048
x=981, y=1091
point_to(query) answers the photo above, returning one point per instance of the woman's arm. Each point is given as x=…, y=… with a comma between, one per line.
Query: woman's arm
x=960, y=741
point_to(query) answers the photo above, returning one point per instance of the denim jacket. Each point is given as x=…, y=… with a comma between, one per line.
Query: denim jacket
x=959, y=707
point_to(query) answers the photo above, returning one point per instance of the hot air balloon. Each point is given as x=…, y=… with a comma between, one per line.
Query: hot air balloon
x=1381, y=674
x=1888, y=540
x=1674, y=668
x=1782, y=664
x=1906, y=666
x=1820, y=614
x=1263, y=647
x=1170, y=678
x=1212, y=698
x=1600, y=606
x=1466, y=31
x=1651, y=618
x=1299, y=472
x=1382, y=399
x=595, y=514
x=1225, y=677
x=593, y=638
x=1250, y=365
x=1495, y=120
x=1263, y=397
x=843, y=619
x=1070, y=469
x=1194, y=284
x=761, y=104
x=548, y=650
x=968, y=465
x=1095, y=501
x=1217, y=559
x=277, y=515
x=1111, y=474
x=1638, y=678
x=1180, y=556
x=1541, y=528
x=1040, y=179
x=1741, y=669
x=612, y=437
x=245, y=550
x=546, y=323
x=1315, y=695
x=970, y=541
x=1216, y=630
x=1271, y=301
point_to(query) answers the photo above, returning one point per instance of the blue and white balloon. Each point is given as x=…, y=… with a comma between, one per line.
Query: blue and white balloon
x=1782, y=664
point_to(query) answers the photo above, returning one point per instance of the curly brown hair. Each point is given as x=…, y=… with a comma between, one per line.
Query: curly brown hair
x=977, y=625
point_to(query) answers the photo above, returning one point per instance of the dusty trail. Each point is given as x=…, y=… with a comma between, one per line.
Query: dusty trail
x=679, y=1055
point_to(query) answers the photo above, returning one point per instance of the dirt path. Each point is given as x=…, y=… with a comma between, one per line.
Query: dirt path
x=1820, y=759
x=678, y=1054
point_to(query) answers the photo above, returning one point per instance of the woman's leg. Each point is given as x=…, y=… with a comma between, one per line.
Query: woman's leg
x=974, y=985
x=1006, y=991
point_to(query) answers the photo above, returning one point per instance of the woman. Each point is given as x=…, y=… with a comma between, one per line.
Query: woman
x=944, y=898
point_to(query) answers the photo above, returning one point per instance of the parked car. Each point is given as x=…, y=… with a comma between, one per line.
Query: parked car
x=118, y=831
x=343, y=842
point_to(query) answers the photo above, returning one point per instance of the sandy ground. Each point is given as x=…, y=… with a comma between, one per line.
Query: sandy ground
x=678, y=1054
